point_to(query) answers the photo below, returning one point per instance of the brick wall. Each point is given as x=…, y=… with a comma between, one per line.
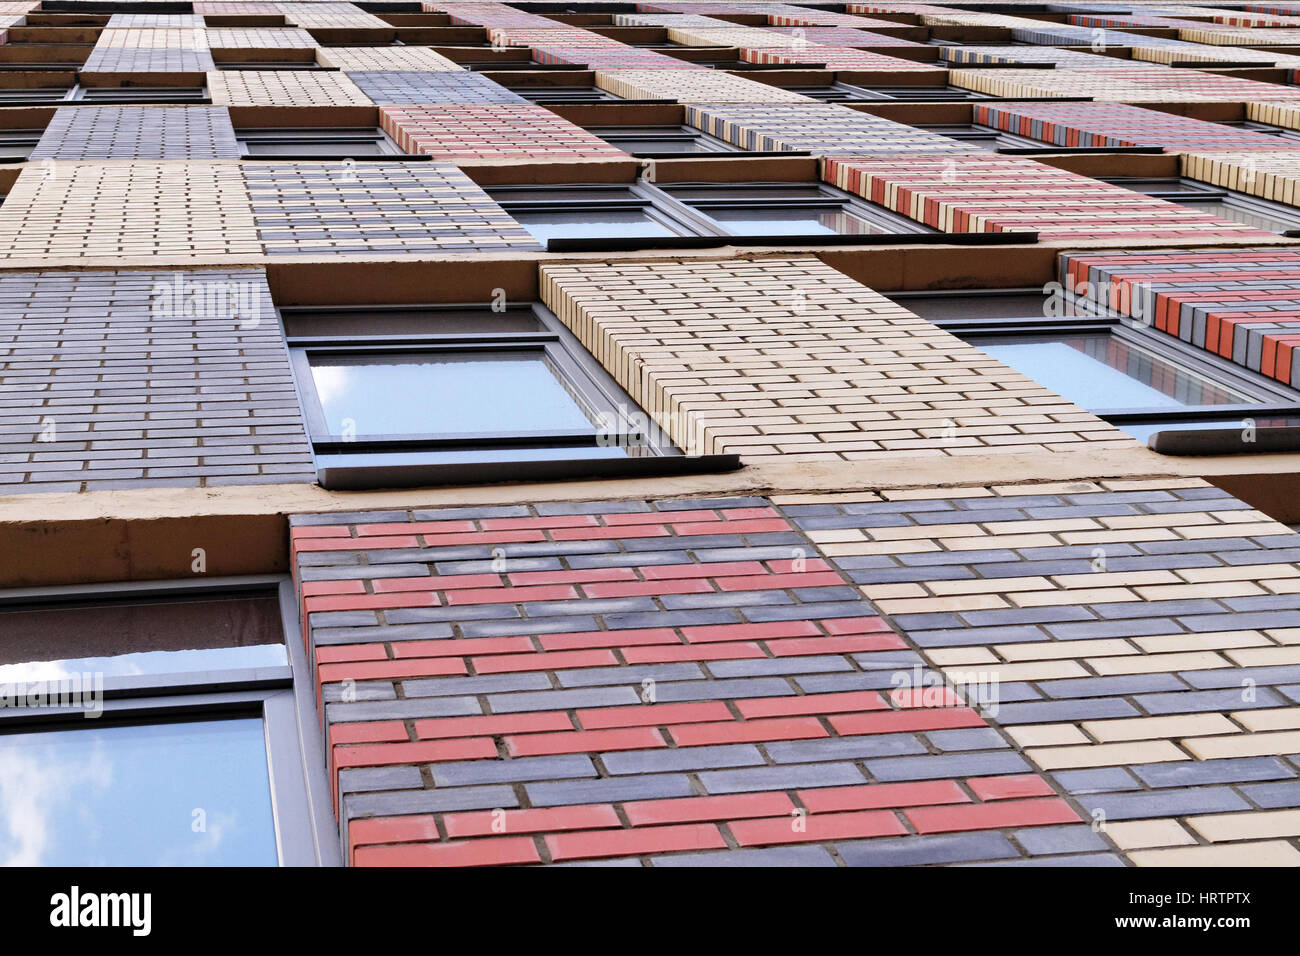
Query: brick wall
x=773, y=358
x=684, y=682
x=112, y=380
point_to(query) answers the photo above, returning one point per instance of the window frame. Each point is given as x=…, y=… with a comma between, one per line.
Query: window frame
x=1188, y=192
x=18, y=139
x=139, y=95
x=291, y=135
x=695, y=228
x=575, y=369
x=687, y=229
x=301, y=806
x=669, y=132
x=846, y=201
x=1273, y=399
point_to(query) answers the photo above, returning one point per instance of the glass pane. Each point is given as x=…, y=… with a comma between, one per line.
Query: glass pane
x=682, y=144
x=1245, y=215
x=473, y=456
x=764, y=220
x=590, y=224
x=150, y=662
x=315, y=147
x=1102, y=373
x=748, y=193
x=195, y=793
x=128, y=637
x=425, y=393
x=1144, y=430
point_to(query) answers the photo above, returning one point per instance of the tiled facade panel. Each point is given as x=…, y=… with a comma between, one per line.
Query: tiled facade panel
x=1123, y=85
x=384, y=58
x=370, y=208
x=492, y=133
x=284, y=88
x=332, y=16
x=979, y=192
x=840, y=58
x=823, y=128
x=144, y=378
x=556, y=34
x=1011, y=55
x=674, y=682
x=1143, y=637
x=424, y=88
x=154, y=21
x=1269, y=174
x=841, y=37
x=1115, y=124
x=259, y=38
x=610, y=57
x=147, y=60
x=100, y=214
x=138, y=132
x=776, y=358
x=693, y=86
x=1243, y=305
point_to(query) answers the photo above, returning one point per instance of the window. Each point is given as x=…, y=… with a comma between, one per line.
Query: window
x=1147, y=383
x=139, y=94
x=158, y=724
x=35, y=95
x=833, y=92
x=1003, y=142
x=554, y=214
x=643, y=215
x=1223, y=203
x=566, y=94
x=788, y=210
x=922, y=94
x=311, y=142
x=426, y=395
x=17, y=144
x=653, y=142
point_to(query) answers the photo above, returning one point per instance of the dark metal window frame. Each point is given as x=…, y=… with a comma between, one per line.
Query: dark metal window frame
x=695, y=227
x=20, y=141
x=1189, y=192
x=1008, y=143
x=575, y=368
x=618, y=135
x=135, y=95
x=344, y=136
x=1272, y=398
x=750, y=196
x=302, y=811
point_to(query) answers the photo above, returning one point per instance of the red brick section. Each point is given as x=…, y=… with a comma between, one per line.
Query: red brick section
x=1240, y=304
x=492, y=133
x=974, y=192
x=698, y=819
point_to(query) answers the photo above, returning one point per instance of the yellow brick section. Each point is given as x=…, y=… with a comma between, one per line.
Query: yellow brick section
x=787, y=357
x=100, y=214
x=384, y=58
x=693, y=86
x=284, y=88
x=1268, y=174
x=1278, y=114
x=1056, y=745
x=733, y=36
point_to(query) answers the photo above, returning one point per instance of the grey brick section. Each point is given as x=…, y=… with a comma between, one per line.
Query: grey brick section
x=430, y=88
x=1140, y=593
x=138, y=132
x=589, y=618
x=111, y=379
